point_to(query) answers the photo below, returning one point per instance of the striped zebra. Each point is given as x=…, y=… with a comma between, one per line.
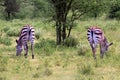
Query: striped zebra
x=96, y=36
x=27, y=34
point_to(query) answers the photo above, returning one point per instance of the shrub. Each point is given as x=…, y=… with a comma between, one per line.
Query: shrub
x=5, y=29
x=48, y=72
x=114, y=11
x=37, y=33
x=13, y=32
x=5, y=41
x=70, y=42
x=2, y=78
x=42, y=9
x=36, y=75
x=3, y=63
x=47, y=47
x=82, y=49
x=86, y=69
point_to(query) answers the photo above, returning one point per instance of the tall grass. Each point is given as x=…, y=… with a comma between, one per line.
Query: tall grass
x=3, y=63
x=70, y=42
x=45, y=47
x=37, y=33
x=54, y=62
x=5, y=41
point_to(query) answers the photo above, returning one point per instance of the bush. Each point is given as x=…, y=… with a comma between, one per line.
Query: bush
x=86, y=69
x=114, y=11
x=47, y=47
x=36, y=75
x=82, y=49
x=37, y=33
x=70, y=42
x=12, y=32
x=48, y=72
x=3, y=64
x=5, y=41
x=42, y=9
x=5, y=29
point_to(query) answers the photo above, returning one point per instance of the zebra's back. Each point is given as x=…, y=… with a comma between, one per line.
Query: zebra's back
x=27, y=34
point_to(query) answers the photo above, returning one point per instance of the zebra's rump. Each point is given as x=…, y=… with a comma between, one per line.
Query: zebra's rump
x=94, y=35
x=27, y=33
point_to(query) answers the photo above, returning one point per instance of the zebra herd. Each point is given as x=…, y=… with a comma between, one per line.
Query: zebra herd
x=95, y=36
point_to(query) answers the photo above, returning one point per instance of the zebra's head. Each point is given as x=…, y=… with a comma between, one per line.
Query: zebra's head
x=18, y=48
x=105, y=45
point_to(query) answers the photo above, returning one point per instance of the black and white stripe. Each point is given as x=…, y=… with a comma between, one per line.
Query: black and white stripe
x=27, y=34
x=96, y=36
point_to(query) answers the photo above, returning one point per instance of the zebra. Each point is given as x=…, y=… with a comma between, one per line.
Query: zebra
x=96, y=36
x=27, y=34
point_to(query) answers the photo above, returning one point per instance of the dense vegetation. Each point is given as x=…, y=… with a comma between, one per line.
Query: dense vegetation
x=70, y=60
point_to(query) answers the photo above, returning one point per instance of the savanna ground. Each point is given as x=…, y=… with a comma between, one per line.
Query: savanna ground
x=58, y=62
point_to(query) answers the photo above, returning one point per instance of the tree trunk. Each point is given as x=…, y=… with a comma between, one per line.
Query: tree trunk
x=62, y=8
x=8, y=15
x=58, y=32
x=64, y=33
x=69, y=31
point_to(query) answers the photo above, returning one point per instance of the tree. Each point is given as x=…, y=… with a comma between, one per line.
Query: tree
x=114, y=11
x=68, y=11
x=62, y=8
x=42, y=8
x=11, y=7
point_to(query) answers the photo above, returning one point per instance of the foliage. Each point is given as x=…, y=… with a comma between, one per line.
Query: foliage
x=13, y=32
x=82, y=49
x=62, y=62
x=42, y=8
x=26, y=9
x=70, y=42
x=5, y=29
x=86, y=69
x=11, y=7
x=46, y=47
x=37, y=33
x=48, y=72
x=91, y=8
x=5, y=41
x=3, y=63
x=114, y=10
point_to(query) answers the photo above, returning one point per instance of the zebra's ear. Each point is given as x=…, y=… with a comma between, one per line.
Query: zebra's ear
x=111, y=44
x=16, y=41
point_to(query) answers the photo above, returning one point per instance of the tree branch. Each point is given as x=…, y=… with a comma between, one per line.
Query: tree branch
x=78, y=15
x=2, y=4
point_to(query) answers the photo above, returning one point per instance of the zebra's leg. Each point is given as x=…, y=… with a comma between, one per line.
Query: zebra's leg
x=93, y=50
x=32, y=49
x=101, y=51
x=26, y=50
x=101, y=54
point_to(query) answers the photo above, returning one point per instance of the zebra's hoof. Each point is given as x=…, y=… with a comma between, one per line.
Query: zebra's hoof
x=25, y=55
x=94, y=58
x=32, y=56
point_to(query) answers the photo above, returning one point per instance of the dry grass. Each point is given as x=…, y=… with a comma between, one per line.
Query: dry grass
x=64, y=63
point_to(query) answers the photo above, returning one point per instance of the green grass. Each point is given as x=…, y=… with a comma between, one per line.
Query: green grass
x=54, y=62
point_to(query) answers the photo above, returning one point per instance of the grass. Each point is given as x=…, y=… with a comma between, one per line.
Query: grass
x=58, y=62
